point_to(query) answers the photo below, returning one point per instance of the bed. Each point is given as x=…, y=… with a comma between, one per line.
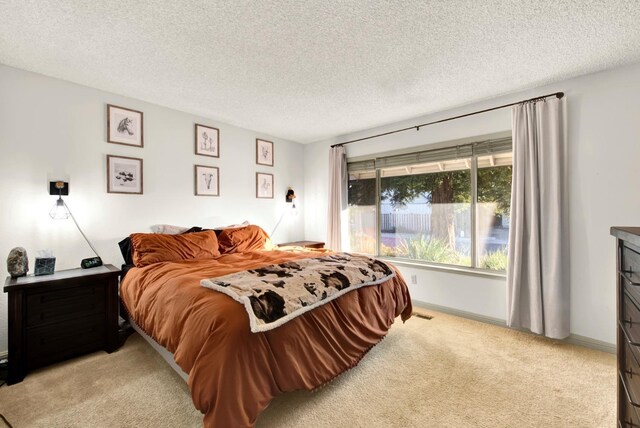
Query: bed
x=233, y=373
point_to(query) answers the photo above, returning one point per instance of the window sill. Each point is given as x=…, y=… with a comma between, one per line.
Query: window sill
x=484, y=273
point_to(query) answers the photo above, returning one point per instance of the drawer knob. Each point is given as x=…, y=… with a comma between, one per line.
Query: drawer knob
x=630, y=373
x=629, y=321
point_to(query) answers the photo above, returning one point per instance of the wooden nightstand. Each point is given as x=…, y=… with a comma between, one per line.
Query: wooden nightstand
x=306, y=244
x=55, y=317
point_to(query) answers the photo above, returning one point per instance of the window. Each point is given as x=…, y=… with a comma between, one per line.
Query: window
x=493, y=210
x=362, y=212
x=448, y=206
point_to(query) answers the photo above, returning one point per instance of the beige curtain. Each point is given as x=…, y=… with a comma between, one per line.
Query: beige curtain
x=538, y=258
x=337, y=196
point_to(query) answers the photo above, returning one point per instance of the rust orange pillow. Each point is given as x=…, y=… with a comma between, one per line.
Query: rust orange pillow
x=149, y=248
x=242, y=239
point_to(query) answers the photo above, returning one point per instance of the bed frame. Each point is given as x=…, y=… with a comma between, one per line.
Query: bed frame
x=164, y=353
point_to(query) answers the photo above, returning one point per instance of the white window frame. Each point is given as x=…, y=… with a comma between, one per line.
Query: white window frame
x=478, y=149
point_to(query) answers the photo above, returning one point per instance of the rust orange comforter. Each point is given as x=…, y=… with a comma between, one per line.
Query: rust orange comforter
x=234, y=373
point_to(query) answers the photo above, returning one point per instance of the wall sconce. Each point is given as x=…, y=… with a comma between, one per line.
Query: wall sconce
x=291, y=196
x=61, y=211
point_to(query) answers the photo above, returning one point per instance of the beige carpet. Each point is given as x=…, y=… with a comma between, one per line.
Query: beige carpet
x=446, y=372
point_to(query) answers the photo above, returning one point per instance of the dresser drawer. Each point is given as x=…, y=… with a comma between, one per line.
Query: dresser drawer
x=630, y=258
x=630, y=271
x=631, y=373
x=629, y=287
x=629, y=419
x=56, y=342
x=60, y=305
x=630, y=319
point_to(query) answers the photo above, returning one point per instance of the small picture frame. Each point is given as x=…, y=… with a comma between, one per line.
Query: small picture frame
x=124, y=175
x=125, y=126
x=264, y=152
x=207, y=141
x=264, y=185
x=207, y=180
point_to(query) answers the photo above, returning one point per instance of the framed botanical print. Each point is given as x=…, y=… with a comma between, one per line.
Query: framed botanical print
x=124, y=126
x=207, y=141
x=207, y=179
x=264, y=152
x=124, y=175
x=264, y=185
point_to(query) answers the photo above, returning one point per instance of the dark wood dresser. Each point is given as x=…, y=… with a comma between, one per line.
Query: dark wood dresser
x=58, y=316
x=628, y=315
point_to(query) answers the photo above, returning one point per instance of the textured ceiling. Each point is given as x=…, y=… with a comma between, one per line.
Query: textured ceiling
x=308, y=70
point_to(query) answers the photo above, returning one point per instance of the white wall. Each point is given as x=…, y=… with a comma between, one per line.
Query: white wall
x=53, y=129
x=604, y=148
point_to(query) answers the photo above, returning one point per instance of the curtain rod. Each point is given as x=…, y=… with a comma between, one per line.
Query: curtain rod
x=417, y=127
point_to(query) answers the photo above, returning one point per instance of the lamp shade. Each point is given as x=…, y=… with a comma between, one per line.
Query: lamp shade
x=59, y=211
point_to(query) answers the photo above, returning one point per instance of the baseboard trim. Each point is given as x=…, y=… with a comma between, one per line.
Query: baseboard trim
x=587, y=342
x=573, y=339
x=459, y=313
x=4, y=354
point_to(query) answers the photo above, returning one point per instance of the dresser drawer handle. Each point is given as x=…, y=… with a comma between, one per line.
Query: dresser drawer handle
x=629, y=321
x=626, y=275
x=630, y=373
x=626, y=336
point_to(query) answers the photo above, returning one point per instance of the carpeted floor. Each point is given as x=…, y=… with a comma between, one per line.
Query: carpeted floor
x=444, y=372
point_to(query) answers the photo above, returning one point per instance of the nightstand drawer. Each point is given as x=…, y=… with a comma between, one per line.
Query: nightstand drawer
x=47, y=307
x=63, y=340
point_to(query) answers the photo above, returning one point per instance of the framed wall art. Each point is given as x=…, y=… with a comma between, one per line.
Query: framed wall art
x=124, y=175
x=264, y=152
x=264, y=185
x=207, y=179
x=124, y=126
x=207, y=141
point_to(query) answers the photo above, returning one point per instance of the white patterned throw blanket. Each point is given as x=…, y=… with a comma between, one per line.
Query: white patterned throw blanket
x=275, y=294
